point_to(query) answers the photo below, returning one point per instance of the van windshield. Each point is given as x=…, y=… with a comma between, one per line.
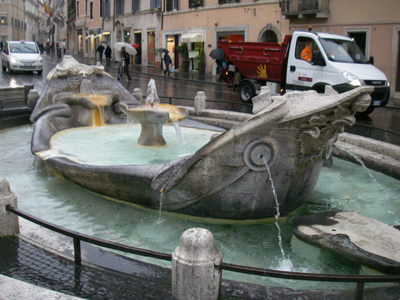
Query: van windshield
x=23, y=48
x=343, y=51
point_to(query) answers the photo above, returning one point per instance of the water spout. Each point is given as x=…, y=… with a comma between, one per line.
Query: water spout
x=359, y=160
x=286, y=262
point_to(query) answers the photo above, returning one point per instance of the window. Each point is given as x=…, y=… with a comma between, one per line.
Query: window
x=195, y=3
x=135, y=5
x=3, y=21
x=91, y=10
x=12, y=19
x=227, y=1
x=106, y=8
x=308, y=50
x=154, y=4
x=86, y=12
x=172, y=5
x=25, y=27
x=119, y=9
x=77, y=8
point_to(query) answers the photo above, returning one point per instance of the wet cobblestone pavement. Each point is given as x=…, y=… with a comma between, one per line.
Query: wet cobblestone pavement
x=39, y=267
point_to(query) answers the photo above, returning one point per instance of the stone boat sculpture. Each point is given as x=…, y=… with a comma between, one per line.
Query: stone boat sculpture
x=278, y=150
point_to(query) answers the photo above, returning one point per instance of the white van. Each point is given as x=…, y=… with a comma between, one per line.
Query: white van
x=336, y=61
x=21, y=56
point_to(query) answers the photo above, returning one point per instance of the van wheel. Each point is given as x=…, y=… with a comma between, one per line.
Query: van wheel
x=40, y=72
x=368, y=111
x=4, y=68
x=246, y=92
x=9, y=69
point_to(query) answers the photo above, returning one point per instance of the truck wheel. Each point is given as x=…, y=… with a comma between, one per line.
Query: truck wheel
x=246, y=92
x=368, y=111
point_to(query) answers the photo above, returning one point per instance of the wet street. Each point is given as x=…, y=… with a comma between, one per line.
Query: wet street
x=383, y=124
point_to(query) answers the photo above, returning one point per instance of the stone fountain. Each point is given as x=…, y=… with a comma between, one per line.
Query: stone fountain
x=152, y=115
x=286, y=141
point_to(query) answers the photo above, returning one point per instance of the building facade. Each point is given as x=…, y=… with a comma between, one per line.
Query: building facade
x=12, y=20
x=154, y=24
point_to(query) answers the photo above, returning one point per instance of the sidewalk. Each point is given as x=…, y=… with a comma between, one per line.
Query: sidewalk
x=151, y=70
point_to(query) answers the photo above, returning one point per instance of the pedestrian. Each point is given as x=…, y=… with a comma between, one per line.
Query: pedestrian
x=167, y=61
x=126, y=58
x=108, y=53
x=100, y=49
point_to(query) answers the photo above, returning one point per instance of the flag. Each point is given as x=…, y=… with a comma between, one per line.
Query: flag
x=47, y=9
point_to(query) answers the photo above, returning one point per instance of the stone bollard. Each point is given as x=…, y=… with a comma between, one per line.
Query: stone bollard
x=200, y=102
x=196, y=272
x=8, y=222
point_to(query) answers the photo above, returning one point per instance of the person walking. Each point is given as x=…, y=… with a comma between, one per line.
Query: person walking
x=167, y=61
x=108, y=53
x=100, y=49
x=126, y=57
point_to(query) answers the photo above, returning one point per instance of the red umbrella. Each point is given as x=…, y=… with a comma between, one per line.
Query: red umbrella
x=135, y=46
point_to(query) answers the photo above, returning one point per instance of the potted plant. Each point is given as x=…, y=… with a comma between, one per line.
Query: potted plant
x=184, y=54
x=202, y=63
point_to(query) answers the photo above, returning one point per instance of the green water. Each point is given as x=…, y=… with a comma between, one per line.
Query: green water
x=345, y=186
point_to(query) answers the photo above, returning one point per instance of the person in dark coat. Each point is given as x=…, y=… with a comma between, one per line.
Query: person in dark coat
x=100, y=49
x=168, y=62
x=126, y=57
x=108, y=53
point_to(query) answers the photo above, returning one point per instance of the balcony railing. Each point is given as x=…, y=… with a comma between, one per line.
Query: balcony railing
x=293, y=8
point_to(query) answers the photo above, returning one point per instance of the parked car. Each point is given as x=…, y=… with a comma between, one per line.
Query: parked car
x=21, y=56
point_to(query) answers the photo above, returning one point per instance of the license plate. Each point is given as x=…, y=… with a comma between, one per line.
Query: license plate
x=28, y=65
x=376, y=103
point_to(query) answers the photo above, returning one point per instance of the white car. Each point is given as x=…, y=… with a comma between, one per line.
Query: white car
x=21, y=56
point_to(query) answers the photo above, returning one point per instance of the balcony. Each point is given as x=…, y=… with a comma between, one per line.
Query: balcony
x=291, y=9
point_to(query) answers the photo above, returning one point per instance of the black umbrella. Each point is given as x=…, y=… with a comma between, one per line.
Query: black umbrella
x=217, y=54
x=162, y=50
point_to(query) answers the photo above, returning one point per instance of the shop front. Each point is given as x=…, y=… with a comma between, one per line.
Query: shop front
x=195, y=43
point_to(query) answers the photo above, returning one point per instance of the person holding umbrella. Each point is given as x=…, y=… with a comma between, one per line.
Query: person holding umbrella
x=168, y=62
x=125, y=57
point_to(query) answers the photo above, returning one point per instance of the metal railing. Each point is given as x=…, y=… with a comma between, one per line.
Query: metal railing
x=360, y=280
x=301, y=6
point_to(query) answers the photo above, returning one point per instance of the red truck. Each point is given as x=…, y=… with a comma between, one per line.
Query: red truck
x=336, y=60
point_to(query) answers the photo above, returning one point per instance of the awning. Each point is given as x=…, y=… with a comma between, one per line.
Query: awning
x=88, y=37
x=193, y=37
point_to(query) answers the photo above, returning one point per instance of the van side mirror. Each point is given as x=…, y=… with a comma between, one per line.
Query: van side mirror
x=371, y=60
